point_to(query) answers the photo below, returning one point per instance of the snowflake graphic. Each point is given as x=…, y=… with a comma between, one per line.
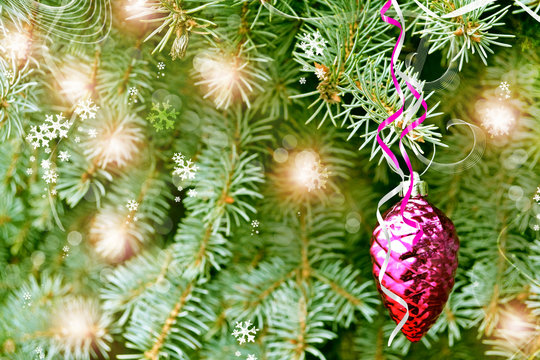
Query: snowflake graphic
x=244, y=331
x=302, y=80
x=177, y=199
x=39, y=136
x=77, y=139
x=498, y=119
x=86, y=109
x=313, y=44
x=29, y=171
x=186, y=169
x=39, y=352
x=320, y=73
x=46, y=164
x=9, y=74
x=178, y=158
x=58, y=127
x=161, y=67
x=92, y=133
x=536, y=227
x=312, y=174
x=133, y=94
x=537, y=198
x=162, y=116
x=27, y=299
x=64, y=156
x=238, y=353
x=192, y=193
x=251, y=357
x=132, y=205
x=50, y=176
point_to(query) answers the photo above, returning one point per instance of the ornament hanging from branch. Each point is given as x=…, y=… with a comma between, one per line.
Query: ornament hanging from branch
x=421, y=269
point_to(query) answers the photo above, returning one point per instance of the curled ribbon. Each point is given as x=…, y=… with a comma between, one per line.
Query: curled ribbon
x=392, y=160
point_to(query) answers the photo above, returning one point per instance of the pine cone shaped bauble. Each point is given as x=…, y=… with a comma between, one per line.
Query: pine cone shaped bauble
x=421, y=272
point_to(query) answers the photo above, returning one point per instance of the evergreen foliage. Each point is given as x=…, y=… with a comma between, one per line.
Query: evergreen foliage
x=256, y=234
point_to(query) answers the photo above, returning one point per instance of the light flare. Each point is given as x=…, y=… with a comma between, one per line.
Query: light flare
x=114, y=237
x=117, y=142
x=16, y=45
x=222, y=76
x=74, y=85
x=497, y=117
x=307, y=172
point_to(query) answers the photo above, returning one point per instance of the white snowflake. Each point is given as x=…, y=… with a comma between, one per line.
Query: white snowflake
x=32, y=158
x=311, y=173
x=29, y=171
x=498, y=119
x=254, y=226
x=46, y=163
x=65, y=248
x=27, y=300
x=64, y=156
x=77, y=139
x=302, y=80
x=178, y=158
x=39, y=352
x=50, y=129
x=132, y=205
x=161, y=65
x=320, y=73
x=192, y=193
x=38, y=136
x=133, y=93
x=58, y=127
x=86, y=109
x=186, y=169
x=47, y=150
x=536, y=227
x=92, y=132
x=177, y=199
x=238, y=353
x=313, y=44
x=53, y=191
x=50, y=176
x=180, y=188
x=537, y=197
x=244, y=331
x=504, y=91
x=9, y=74
x=251, y=357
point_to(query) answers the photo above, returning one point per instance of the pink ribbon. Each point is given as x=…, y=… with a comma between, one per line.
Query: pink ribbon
x=389, y=154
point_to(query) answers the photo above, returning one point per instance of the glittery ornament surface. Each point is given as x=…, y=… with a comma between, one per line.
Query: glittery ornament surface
x=421, y=272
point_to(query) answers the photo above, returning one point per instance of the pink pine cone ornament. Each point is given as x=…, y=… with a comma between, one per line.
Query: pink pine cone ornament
x=420, y=272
